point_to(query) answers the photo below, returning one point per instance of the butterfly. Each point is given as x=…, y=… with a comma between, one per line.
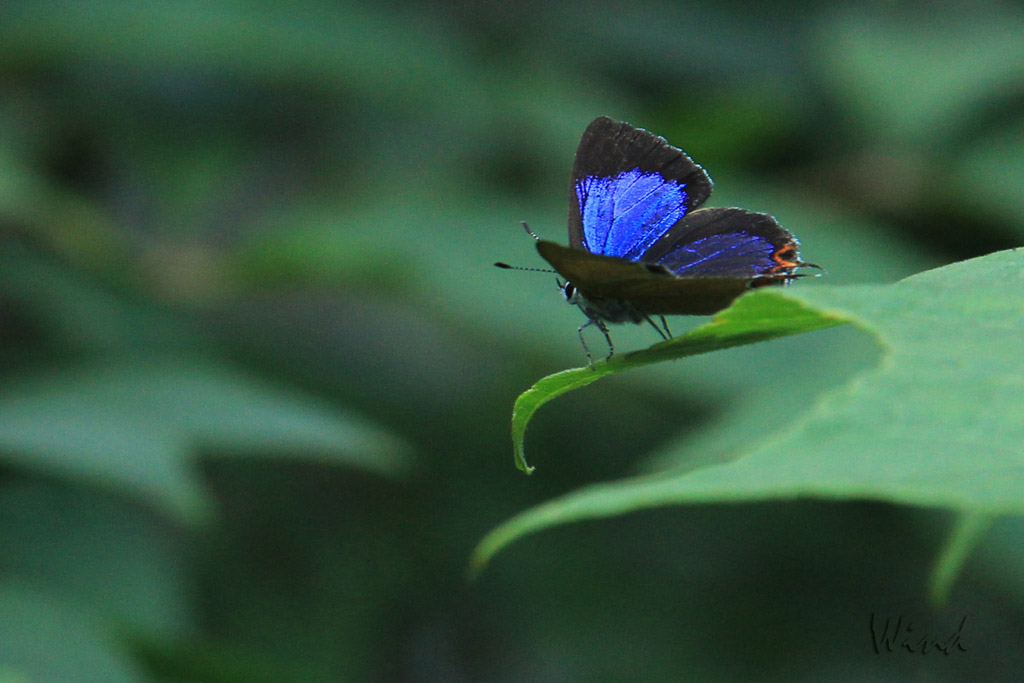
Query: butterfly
x=640, y=246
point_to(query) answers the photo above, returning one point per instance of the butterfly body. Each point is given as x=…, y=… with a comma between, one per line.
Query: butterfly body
x=639, y=245
x=620, y=291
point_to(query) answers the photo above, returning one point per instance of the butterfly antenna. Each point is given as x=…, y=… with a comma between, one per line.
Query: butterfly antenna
x=506, y=266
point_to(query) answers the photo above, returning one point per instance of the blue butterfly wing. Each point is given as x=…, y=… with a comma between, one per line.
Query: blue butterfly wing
x=629, y=188
x=626, y=214
x=725, y=243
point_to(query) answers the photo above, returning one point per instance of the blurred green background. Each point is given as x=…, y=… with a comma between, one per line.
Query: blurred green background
x=258, y=368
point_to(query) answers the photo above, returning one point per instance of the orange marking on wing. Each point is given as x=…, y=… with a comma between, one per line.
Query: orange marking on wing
x=786, y=259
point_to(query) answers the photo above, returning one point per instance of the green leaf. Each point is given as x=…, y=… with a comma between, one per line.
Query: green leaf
x=43, y=638
x=970, y=528
x=97, y=550
x=938, y=422
x=136, y=427
x=752, y=318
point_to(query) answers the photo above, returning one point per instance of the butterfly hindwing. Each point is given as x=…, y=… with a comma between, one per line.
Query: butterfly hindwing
x=629, y=188
x=725, y=243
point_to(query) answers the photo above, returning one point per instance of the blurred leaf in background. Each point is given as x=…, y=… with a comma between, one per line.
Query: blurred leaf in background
x=258, y=369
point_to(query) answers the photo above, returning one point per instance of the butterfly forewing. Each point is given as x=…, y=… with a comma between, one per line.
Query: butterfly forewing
x=629, y=188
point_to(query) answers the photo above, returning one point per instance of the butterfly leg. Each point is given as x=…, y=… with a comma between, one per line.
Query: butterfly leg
x=607, y=337
x=664, y=324
x=658, y=329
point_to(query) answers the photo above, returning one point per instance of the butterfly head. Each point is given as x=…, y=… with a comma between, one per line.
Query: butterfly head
x=571, y=294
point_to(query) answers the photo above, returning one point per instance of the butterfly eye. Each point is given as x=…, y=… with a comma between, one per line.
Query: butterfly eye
x=569, y=290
